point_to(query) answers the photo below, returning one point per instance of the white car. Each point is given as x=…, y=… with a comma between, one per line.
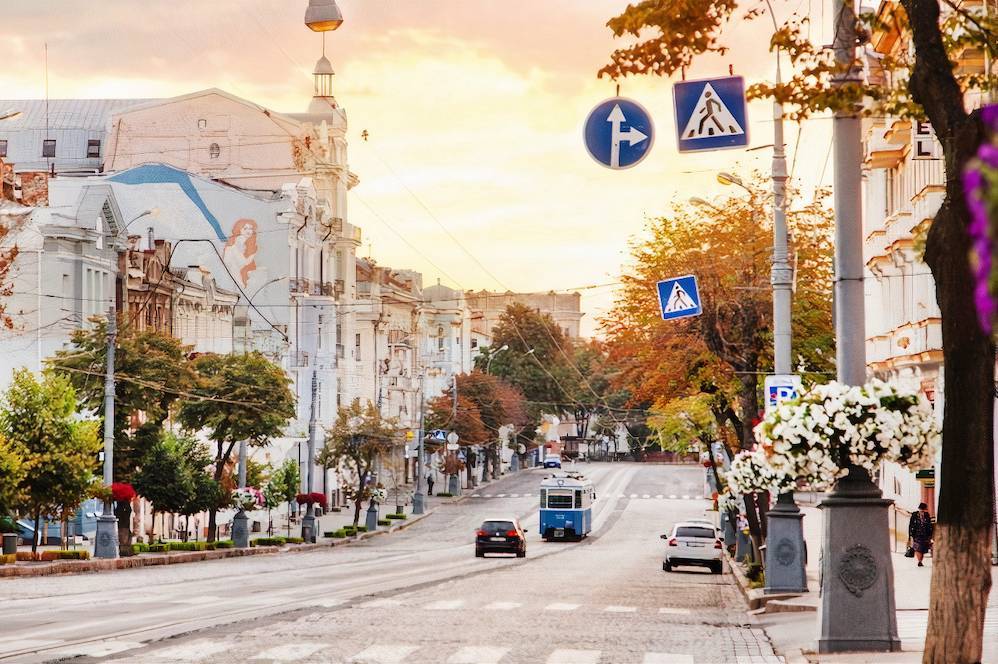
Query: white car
x=693, y=543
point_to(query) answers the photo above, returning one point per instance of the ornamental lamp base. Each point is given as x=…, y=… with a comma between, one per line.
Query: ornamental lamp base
x=786, y=551
x=240, y=530
x=106, y=540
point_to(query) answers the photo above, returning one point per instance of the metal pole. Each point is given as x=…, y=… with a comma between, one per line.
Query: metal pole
x=242, y=464
x=308, y=522
x=419, y=498
x=106, y=545
x=781, y=275
x=855, y=533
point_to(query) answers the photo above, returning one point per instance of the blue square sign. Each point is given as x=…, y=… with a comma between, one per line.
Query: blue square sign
x=679, y=297
x=711, y=114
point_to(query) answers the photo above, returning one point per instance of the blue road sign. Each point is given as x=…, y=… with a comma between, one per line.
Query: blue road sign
x=679, y=297
x=711, y=114
x=619, y=133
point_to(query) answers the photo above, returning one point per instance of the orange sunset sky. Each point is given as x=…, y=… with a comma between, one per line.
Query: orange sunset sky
x=474, y=111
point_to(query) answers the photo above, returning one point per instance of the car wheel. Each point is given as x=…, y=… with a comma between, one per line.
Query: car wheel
x=716, y=568
x=521, y=554
x=667, y=566
x=479, y=554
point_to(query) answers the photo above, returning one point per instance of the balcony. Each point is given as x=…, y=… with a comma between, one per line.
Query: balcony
x=300, y=285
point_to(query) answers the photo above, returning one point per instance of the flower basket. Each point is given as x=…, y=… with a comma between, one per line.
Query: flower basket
x=314, y=498
x=247, y=498
x=811, y=441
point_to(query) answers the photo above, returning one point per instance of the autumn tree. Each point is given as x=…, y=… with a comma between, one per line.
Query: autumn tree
x=925, y=81
x=151, y=373
x=358, y=440
x=236, y=397
x=38, y=416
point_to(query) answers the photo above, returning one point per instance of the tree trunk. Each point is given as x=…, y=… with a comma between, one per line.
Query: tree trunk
x=38, y=524
x=358, y=501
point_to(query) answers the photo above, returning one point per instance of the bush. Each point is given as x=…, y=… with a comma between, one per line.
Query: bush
x=225, y=544
x=65, y=555
x=361, y=529
x=349, y=530
x=269, y=541
x=338, y=534
x=444, y=494
x=188, y=546
x=384, y=522
x=294, y=540
x=8, y=559
x=210, y=546
x=399, y=516
x=8, y=525
x=159, y=548
x=140, y=548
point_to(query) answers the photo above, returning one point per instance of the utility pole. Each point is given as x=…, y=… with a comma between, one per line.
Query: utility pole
x=242, y=464
x=419, y=497
x=106, y=545
x=308, y=522
x=857, y=610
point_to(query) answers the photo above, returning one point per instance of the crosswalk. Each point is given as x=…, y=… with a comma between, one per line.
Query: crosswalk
x=464, y=605
x=205, y=650
x=633, y=496
x=912, y=625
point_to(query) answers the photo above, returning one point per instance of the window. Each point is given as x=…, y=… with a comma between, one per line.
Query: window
x=497, y=526
x=202, y=124
x=214, y=150
x=560, y=501
x=578, y=498
x=356, y=346
x=93, y=148
x=3, y=147
x=440, y=338
x=48, y=147
x=693, y=531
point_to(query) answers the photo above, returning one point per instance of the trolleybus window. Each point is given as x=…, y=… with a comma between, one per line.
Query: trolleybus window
x=544, y=498
x=563, y=502
x=578, y=498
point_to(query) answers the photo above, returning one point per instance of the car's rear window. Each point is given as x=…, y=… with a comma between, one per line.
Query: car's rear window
x=693, y=531
x=497, y=525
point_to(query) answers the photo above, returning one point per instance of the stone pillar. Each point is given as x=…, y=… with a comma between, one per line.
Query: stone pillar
x=240, y=530
x=857, y=611
x=372, y=517
x=106, y=543
x=785, y=550
x=454, y=484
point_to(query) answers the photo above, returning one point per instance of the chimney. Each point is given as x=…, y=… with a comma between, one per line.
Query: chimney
x=152, y=239
x=35, y=188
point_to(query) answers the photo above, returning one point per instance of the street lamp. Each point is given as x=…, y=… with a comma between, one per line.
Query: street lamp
x=9, y=113
x=492, y=356
x=106, y=541
x=323, y=15
x=696, y=200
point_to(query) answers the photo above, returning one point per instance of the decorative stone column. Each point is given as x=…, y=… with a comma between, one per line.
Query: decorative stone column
x=240, y=530
x=857, y=610
x=372, y=516
x=786, y=554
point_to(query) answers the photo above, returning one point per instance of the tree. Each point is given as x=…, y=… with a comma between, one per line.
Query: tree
x=12, y=469
x=164, y=479
x=9, y=225
x=204, y=490
x=358, y=439
x=236, y=397
x=59, y=451
x=151, y=372
x=928, y=85
x=283, y=487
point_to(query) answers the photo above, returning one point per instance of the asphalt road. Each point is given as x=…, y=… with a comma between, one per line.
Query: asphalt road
x=418, y=595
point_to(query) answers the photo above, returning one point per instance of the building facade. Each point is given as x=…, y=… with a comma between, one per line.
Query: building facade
x=564, y=308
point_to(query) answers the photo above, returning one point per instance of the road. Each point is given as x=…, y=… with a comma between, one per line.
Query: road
x=419, y=595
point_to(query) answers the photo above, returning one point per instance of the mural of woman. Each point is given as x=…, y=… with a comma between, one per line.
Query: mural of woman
x=239, y=253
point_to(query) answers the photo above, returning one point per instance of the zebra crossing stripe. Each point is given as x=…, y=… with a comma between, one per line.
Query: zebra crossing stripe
x=570, y=656
x=666, y=658
x=646, y=496
x=477, y=655
x=620, y=609
x=672, y=496
x=502, y=606
x=561, y=606
x=382, y=654
x=445, y=605
x=674, y=612
x=659, y=497
x=290, y=652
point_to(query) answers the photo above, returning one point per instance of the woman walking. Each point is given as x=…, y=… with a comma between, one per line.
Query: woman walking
x=920, y=531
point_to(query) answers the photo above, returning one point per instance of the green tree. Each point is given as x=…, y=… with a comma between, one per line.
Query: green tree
x=151, y=372
x=59, y=451
x=164, y=478
x=358, y=439
x=926, y=81
x=12, y=469
x=236, y=397
x=283, y=486
x=204, y=491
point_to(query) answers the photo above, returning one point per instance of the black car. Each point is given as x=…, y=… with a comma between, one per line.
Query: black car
x=501, y=536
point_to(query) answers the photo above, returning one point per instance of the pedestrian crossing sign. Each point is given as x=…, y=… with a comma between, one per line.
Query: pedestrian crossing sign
x=679, y=297
x=711, y=114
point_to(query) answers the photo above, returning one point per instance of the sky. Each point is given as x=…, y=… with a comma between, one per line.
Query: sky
x=474, y=170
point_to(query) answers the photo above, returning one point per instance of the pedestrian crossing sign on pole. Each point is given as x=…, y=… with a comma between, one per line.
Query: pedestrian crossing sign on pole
x=711, y=114
x=679, y=297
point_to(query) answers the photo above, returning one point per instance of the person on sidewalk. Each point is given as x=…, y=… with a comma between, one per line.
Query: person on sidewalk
x=920, y=531
x=429, y=483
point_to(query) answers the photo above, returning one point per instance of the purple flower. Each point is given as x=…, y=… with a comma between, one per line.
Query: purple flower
x=978, y=230
x=989, y=115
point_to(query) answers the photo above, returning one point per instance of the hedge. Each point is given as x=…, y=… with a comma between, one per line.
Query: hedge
x=338, y=534
x=66, y=555
x=361, y=529
x=188, y=546
x=269, y=541
x=396, y=516
x=26, y=556
x=159, y=548
x=140, y=547
x=384, y=522
x=8, y=559
x=444, y=494
x=225, y=544
x=294, y=540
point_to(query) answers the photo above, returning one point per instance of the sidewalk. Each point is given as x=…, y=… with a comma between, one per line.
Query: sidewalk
x=792, y=625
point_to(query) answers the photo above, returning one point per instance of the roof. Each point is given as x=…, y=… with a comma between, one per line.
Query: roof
x=62, y=113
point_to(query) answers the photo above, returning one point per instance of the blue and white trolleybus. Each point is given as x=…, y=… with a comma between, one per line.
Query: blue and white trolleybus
x=566, y=506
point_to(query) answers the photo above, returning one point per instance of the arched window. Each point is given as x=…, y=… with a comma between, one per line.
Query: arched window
x=214, y=150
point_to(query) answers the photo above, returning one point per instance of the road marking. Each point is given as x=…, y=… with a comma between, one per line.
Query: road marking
x=514, y=495
x=327, y=602
x=666, y=658
x=620, y=609
x=488, y=495
x=500, y=495
x=646, y=496
x=502, y=606
x=477, y=655
x=672, y=496
x=686, y=497
x=381, y=604
x=194, y=651
x=445, y=605
x=568, y=656
x=659, y=497
x=674, y=612
x=476, y=495
x=11, y=644
x=622, y=495
x=560, y=606
x=634, y=495
x=383, y=654
x=528, y=495
x=99, y=648
x=291, y=652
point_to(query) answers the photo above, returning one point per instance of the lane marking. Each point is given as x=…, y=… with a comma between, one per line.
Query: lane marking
x=502, y=606
x=381, y=604
x=98, y=648
x=659, y=497
x=634, y=495
x=445, y=605
x=620, y=609
x=328, y=602
x=672, y=496
x=666, y=658
x=476, y=495
x=561, y=606
x=477, y=655
x=646, y=496
x=569, y=656
x=291, y=652
x=383, y=654
x=686, y=497
x=674, y=612
x=194, y=651
x=500, y=495
x=514, y=495
x=488, y=495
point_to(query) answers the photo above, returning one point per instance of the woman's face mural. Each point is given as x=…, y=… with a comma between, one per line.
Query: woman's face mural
x=240, y=250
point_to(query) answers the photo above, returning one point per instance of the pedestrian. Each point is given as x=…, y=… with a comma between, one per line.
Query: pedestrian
x=920, y=532
x=429, y=482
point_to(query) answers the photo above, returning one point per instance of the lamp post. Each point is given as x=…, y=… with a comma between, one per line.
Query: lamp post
x=106, y=541
x=9, y=114
x=419, y=497
x=308, y=522
x=492, y=356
